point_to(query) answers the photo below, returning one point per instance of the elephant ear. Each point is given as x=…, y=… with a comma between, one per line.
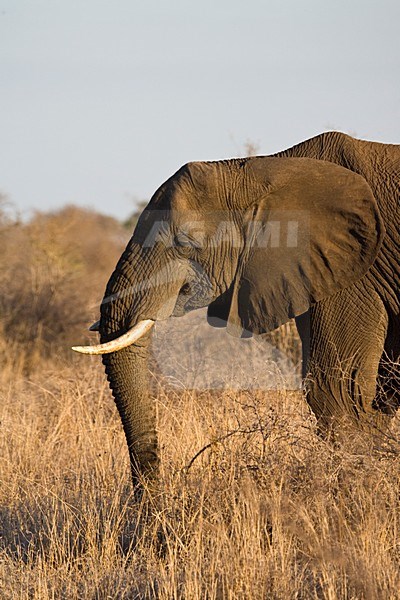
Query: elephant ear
x=315, y=230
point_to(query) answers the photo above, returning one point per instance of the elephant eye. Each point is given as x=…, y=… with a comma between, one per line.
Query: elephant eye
x=182, y=240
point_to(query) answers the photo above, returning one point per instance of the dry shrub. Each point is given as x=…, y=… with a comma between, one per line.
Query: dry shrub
x=287, y=340
x=53, y=273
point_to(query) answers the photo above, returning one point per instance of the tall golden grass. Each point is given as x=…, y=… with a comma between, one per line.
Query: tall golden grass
x=250, y=503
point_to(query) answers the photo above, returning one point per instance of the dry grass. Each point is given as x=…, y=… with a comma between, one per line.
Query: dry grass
x=251, y=503
x=266, y=510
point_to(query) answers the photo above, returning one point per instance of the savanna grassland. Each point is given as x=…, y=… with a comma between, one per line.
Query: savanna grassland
x=251, y=503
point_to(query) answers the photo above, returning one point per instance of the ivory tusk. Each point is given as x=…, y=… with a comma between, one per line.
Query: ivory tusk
x=128, y=338
x=95, y=326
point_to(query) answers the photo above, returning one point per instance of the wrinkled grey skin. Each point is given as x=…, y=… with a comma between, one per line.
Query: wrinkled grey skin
x=330, y=258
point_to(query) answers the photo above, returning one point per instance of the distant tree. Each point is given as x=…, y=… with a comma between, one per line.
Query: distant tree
x=53, y=272
x=131, y=221
x=8, y=214
x=251, y=148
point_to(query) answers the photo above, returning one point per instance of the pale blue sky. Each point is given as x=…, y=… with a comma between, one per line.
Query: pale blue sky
x=102, y=100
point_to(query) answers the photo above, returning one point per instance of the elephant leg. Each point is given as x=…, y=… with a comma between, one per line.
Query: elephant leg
x=388, y=387
x=343, y=340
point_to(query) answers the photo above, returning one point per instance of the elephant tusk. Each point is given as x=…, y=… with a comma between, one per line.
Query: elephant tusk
x=128, y=338
x=95, y=326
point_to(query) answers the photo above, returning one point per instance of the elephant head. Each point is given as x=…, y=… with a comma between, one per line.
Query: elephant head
x=256, y=240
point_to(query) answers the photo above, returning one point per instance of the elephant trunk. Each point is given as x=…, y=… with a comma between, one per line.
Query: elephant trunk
x=127, y=369
x=140, y=291
x=128, y=374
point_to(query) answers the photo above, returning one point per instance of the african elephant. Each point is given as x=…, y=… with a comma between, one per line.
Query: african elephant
x=312, y=233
